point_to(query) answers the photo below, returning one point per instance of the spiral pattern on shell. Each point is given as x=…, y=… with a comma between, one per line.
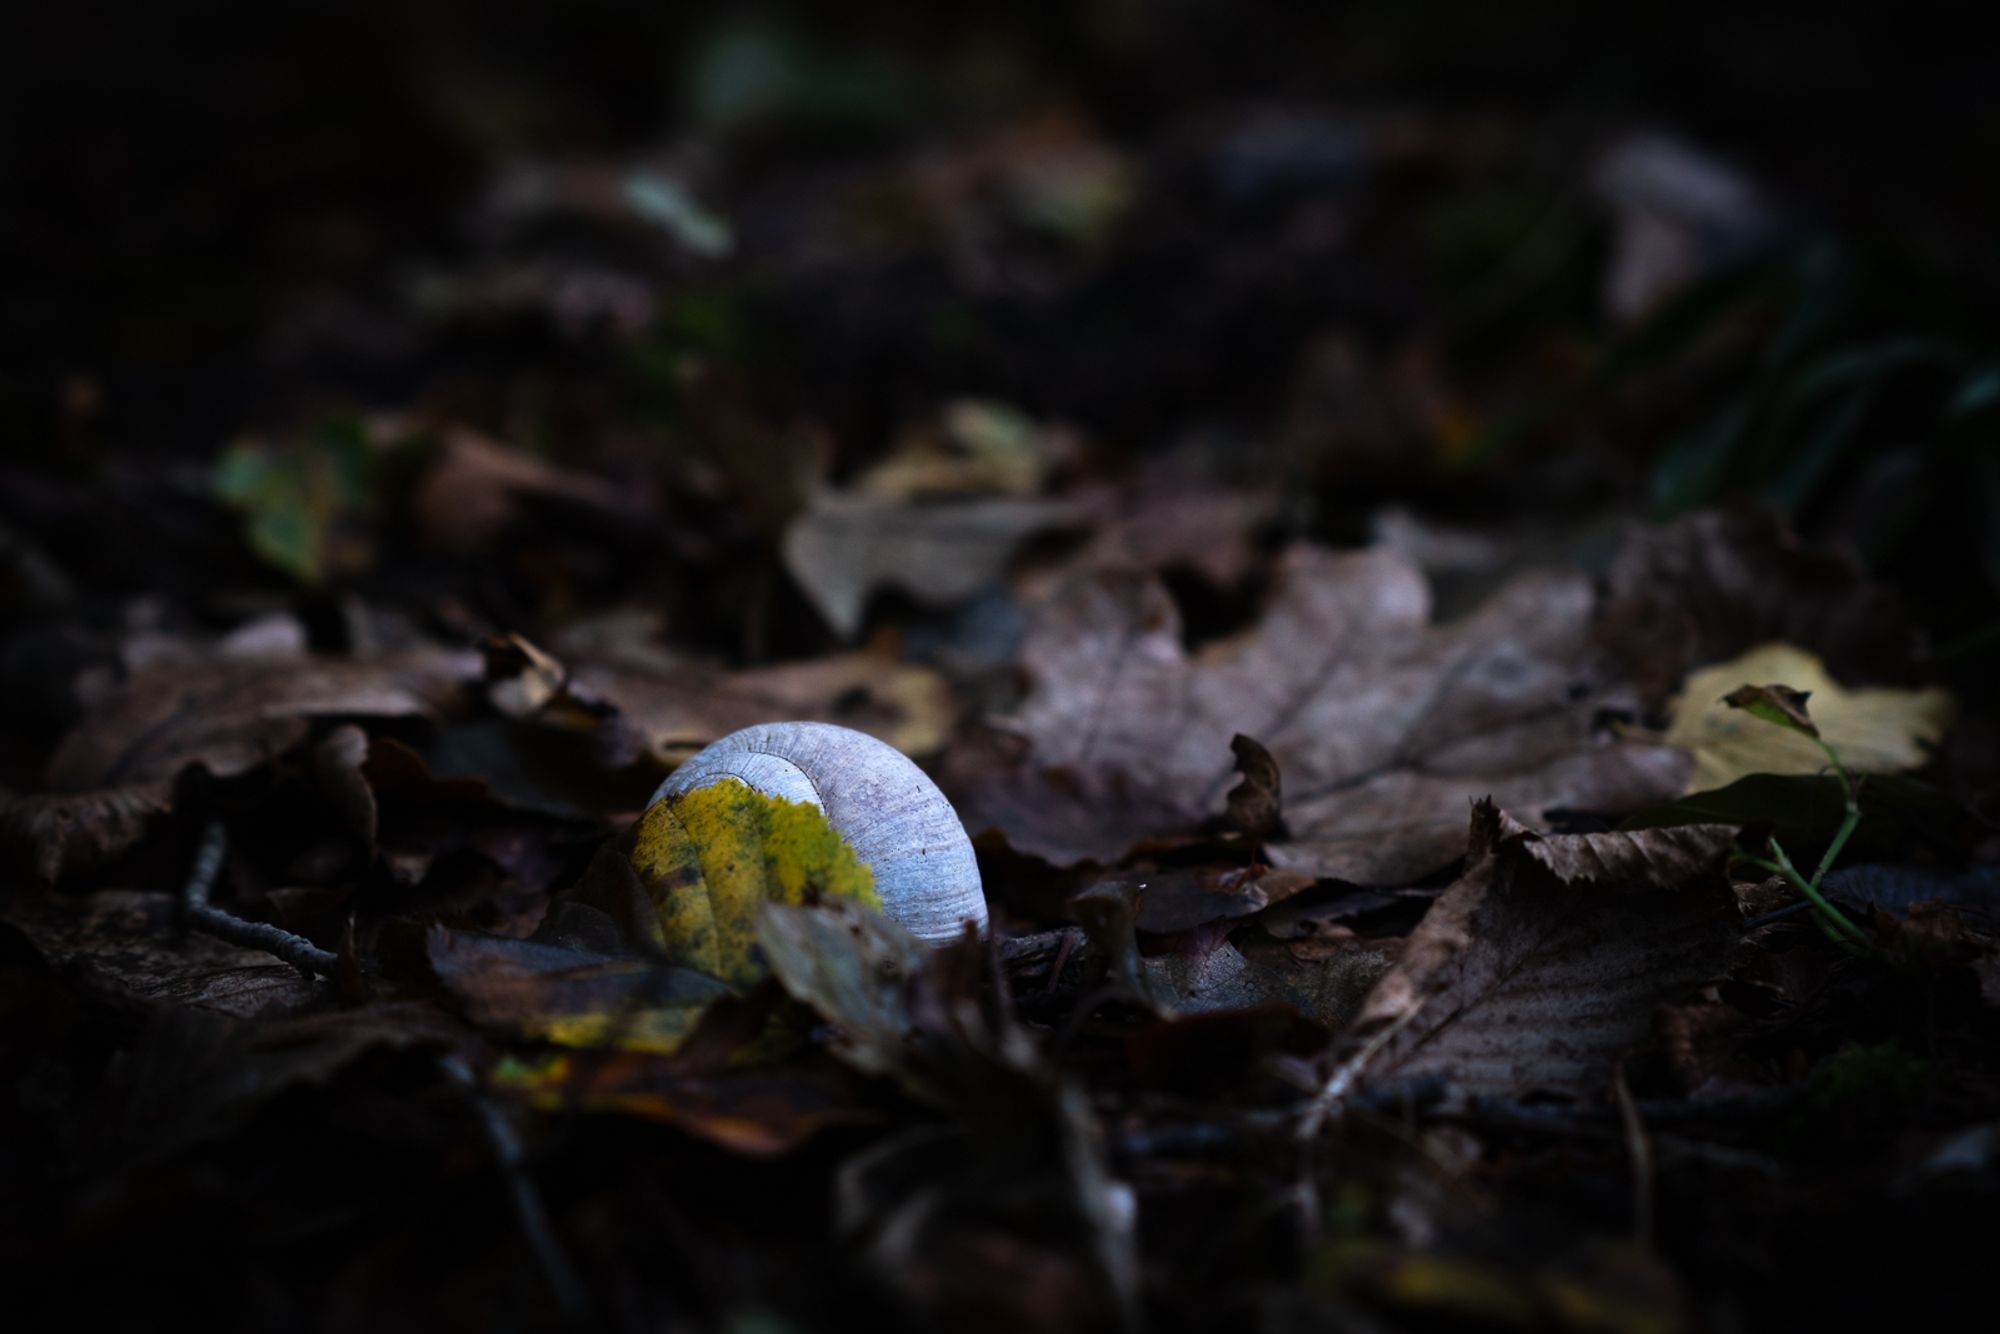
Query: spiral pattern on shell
x=889, y=811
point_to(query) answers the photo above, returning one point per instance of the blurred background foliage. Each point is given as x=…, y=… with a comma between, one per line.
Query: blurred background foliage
x=1487, y=260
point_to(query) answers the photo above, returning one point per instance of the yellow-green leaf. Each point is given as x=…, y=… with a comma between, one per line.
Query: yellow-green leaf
x=710, y=856
x=1873, y=730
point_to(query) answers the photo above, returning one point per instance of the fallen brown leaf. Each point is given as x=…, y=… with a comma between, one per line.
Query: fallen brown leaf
x=116, y=768
x=1382, y=725
x=128, y=948
x=642, y=699
x=1545, y=962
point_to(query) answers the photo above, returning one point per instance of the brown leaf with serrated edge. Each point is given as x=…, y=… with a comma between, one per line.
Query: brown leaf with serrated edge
x=1382, y=724
x=1545, y=962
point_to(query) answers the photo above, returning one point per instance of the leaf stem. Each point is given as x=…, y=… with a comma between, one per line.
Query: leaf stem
x=1844, y=932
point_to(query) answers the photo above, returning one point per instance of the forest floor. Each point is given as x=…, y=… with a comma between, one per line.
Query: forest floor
x=1462, y=630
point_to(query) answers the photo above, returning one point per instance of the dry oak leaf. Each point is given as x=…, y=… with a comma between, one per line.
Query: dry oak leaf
x=116, y=768
x=1382, y=724
x=1544, y=964
x=1881, y=730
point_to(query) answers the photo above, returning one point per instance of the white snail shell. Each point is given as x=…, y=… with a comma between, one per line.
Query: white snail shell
x=887, y=809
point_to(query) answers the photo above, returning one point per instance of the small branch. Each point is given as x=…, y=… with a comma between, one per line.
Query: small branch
x=294, y=949
x=565, y=1284
x=1641, y=1151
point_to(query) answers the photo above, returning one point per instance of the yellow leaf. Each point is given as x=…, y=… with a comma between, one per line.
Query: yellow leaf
x=1873, y=730
x=708, y=857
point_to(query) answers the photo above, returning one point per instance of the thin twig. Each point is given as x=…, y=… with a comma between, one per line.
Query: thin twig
x=1641, y=1151
x=294, y=949
x=565, y=1284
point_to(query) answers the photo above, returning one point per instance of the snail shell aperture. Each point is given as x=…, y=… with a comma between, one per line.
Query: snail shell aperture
x=887, y=809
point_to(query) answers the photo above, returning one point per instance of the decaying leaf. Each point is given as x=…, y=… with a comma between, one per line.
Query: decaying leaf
x=854, y=967
x=845, y=547
x=127, y=947
x=1879, y=730
x=1544, y=963
x=760, y=1111
x=115, y=769
x=613, y=679
x=1712, y=585
x=568, y=996
x=1329, y=991
x=477, y=485
x=1382, y=724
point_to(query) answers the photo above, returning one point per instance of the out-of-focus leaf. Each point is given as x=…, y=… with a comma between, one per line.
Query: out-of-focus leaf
x=1713, y=585
x=567, y=996
x=640, y=701
x=1803, y=811
x=1615, y=1291
x=845, y=547
x=855, y=967
x=1898, y=888
x=667, y=204
x=713, y=856
x=761, y=1111
x=128, y=947
x=476, y=488
x=291, y=497
x=1543, y=964
x=1329, y=991
x=1874, y=731
x=977, y=448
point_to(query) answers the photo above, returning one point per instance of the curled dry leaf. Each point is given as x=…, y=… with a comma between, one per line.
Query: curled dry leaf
x=1879, y=730
x=1382, y=724
x=1545, y=962
x=116, y=768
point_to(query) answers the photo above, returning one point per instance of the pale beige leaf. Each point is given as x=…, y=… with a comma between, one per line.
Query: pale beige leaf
x=845, y=547
x=1874, y=730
